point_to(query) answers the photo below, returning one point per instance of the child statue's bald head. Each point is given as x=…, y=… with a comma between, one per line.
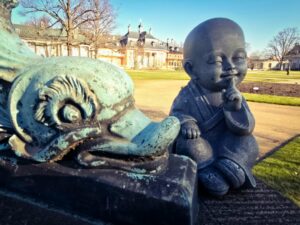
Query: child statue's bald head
x=215, y=46
x=211, y=34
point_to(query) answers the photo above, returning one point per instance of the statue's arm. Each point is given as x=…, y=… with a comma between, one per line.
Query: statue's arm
x=181, y=109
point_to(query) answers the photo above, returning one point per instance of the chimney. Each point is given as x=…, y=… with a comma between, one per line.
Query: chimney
x=140, y=27
x=42, y=24
x=128, y=28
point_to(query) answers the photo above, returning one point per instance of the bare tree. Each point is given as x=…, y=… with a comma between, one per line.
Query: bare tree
x=282, y=43
x=40, y=22
x=70, y=14
x=256, y=55
x=247, y=46
x=98, y=30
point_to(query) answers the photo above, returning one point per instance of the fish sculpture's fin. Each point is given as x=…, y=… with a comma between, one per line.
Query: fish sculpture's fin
x=14, y=53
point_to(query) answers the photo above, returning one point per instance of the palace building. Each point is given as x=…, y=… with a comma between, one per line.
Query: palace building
x=294, y=57
x=52, y=42
x=134, y=50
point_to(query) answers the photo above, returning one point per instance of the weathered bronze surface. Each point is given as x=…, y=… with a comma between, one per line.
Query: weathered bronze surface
x=51, y=106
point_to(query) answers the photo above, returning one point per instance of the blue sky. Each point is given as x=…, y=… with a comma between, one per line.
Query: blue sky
x=260, y=19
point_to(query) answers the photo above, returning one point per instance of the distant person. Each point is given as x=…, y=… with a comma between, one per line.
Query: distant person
x=288, y=70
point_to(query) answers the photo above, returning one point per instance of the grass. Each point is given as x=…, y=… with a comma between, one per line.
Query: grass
x=272, y=99
x=281, y=170
x=273, y=76
x=157, y=75
x=252, y=76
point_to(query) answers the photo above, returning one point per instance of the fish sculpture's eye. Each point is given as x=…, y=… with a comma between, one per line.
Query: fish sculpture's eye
x=65, y=100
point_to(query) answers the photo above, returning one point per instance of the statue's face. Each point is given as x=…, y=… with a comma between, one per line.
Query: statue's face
x=224, y=58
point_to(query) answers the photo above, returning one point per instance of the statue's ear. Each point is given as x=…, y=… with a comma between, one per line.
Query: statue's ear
x=188, y=67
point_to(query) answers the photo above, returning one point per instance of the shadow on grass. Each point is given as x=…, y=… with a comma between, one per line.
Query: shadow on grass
x=281, y=170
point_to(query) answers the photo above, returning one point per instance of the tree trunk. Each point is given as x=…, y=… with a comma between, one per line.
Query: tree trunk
x=69, y=43
x=69, y=29
x=96, y=52
x=280, y=65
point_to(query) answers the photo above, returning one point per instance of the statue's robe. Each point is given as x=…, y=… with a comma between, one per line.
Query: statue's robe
x=229, y=133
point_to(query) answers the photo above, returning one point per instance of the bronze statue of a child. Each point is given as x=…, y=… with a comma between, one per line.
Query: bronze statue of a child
x=216, y=122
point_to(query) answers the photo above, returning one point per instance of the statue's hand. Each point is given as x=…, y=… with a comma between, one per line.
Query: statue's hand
x=232, y=98
x=190, y=130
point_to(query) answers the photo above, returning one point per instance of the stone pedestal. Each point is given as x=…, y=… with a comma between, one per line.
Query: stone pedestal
x=120, y=197
x=253, y=206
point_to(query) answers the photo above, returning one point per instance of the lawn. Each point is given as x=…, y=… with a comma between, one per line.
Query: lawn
x=281, y=170
x=272, y=99
x=252, y=76
x=273, y=76
x=157, y=75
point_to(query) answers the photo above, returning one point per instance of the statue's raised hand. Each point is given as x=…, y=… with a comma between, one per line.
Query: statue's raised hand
x=232, y=97
x=190, y=130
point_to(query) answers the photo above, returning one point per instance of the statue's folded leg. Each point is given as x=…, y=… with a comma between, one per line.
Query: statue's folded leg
x=201, y=152
x=197, y=149
x=242, y=150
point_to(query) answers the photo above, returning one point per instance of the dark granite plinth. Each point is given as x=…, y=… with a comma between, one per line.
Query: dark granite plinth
x=15, y=210
x=109, y=195
x=261, y=205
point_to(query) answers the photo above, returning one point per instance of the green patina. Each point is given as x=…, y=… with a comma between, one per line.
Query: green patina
x=107, y=113
x=58, y=103
x=136, y=175
x=130, y=124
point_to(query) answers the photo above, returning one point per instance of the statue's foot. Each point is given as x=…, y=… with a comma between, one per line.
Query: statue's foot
x=212, y=181
x=231, y=171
